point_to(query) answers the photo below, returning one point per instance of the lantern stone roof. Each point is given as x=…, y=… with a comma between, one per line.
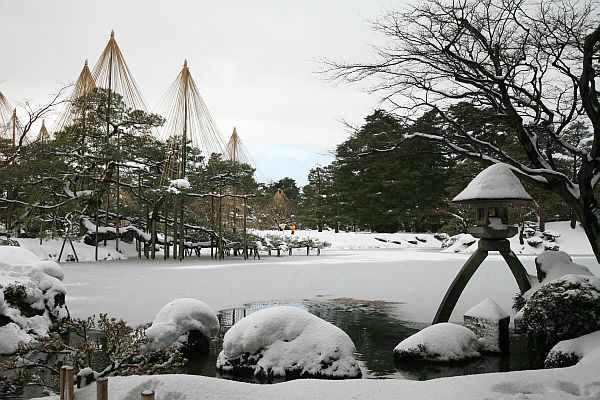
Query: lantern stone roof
x=495, y=183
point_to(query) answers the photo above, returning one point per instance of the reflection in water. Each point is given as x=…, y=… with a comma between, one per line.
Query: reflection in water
x=376, y=328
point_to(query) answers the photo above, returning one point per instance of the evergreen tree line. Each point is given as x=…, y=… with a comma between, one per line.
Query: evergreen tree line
x=381, y=181
x=107, y=167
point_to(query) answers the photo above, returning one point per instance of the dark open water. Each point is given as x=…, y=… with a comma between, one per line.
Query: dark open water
x=375, y=327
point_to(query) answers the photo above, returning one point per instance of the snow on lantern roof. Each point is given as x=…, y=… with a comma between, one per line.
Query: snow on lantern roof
x=496, y=183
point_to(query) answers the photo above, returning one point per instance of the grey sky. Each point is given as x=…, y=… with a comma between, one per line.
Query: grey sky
x=253, y=61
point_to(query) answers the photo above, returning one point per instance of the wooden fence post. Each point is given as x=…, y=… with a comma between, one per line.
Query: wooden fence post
x=147, y=395
x=61, y=383
x=69, y=387
x=102, y=389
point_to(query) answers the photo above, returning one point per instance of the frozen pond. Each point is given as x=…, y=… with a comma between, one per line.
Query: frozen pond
x=414, y=279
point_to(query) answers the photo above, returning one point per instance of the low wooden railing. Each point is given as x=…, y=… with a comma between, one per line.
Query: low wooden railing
x=67, y=387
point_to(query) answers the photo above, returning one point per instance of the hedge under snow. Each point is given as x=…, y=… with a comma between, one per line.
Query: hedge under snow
x=284, y=340
x=31, y=297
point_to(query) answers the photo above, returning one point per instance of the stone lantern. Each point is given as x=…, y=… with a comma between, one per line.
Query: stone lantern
x=491, y=192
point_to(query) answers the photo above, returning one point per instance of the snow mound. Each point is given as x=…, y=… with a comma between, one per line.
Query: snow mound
x=487, y=309
x=180, y=183
x=440, y=342
x=552, y=265
x=12, y=338
x=286, y=340
x=31, y=296
x=496, y=182
x=176, y=319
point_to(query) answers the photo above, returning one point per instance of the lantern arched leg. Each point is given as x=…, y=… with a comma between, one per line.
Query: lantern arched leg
x=518, y=271
x=467, y=271
x=458, y=285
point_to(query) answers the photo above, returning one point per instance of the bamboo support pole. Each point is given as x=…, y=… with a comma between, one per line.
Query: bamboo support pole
x=147, y=395
x=166, y=229
x=102, y=389
x=175, y=230
x=153, y=237
x=245, y=233
x=182, y=233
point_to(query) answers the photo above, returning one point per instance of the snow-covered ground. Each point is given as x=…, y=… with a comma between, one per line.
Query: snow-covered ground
x=415, y=276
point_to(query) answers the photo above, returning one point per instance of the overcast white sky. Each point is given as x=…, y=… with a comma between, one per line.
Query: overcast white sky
x=253, y=61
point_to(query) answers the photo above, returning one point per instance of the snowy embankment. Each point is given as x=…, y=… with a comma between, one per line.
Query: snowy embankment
x=572, y=241
x=577, y=382
x=362, y=240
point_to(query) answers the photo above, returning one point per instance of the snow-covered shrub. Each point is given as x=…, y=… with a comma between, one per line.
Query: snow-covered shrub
x=563, y=308
x=287, y=341
x=177, y=321
x=95, y=348
x=551, y=265
x=534, y=241
x=441, y=236
x=458, y=243
x=440, y=343
x=6, y=241
x=519, y=301
x=32, y=296
x=570, y=352
x=550, y=236
x=529, y=232
x=558, y=359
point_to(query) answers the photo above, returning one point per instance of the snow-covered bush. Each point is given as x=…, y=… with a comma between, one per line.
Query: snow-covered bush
x=441, y=236
x=550, y=236
x=95, y=348
x=570, y=352
x=458, y=243
x=534, y=241
x=176, y=324
x=287, y=341
x=563, y=308
x=529, y=232
x=558, y=359
x=6, y=241
x=440, y=343
x=32, y=296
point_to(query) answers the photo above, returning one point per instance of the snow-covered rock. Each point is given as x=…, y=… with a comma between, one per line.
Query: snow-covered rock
x=490, y=323
x=177, y=319
x=286, y=340
x=551, y=265
x=440, y=342
x=32, y=296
